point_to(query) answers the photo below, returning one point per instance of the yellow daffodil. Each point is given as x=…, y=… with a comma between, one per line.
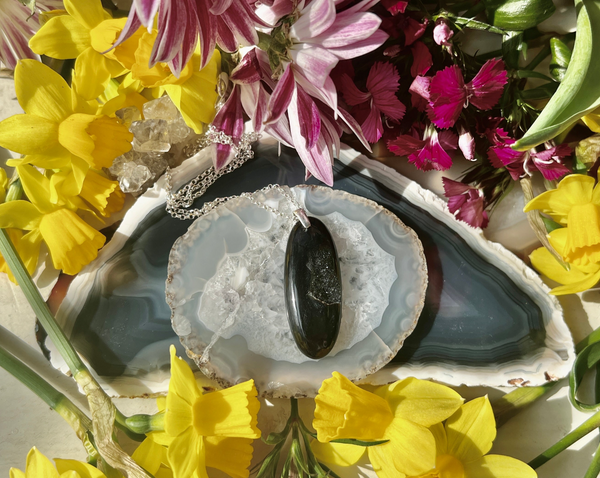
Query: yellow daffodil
x=575, y=203
x=576, y=279
x=194, y=92
x=400, y=412
x=85, y=33
x=462, y=444
x=39, y=466
x=57, y=125
x=71, y=241
x=208, y=430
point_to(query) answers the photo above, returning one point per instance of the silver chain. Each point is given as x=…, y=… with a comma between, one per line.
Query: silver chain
x=179, y=203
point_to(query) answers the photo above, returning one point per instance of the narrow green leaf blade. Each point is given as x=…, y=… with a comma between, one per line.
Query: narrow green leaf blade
x=579, y=92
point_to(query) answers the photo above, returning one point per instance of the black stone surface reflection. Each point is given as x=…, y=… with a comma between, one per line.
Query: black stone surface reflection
x=313, y=288
x=473, y=315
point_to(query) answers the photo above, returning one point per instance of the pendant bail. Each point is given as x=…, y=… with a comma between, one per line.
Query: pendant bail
x=302, y=217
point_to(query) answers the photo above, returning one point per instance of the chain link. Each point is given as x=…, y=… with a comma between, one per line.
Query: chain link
x=179, y=203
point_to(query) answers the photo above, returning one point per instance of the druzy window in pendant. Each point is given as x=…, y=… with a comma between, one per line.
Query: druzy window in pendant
x=313, y=288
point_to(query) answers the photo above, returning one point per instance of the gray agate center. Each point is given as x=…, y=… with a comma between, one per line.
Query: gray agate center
x=246, y=295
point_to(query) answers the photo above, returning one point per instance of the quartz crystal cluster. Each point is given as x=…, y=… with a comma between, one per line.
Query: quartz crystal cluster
x=159, y=139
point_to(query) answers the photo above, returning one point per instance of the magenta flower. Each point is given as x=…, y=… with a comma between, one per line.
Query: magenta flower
x=466, y=203
x=427, y=153
x=449, y=94
x=442, y=32
x=422, y=60
x=466, y=143
x=228, y=23
x=521, y=163
x=17, y=26
x=380, y=98
x=419, y=92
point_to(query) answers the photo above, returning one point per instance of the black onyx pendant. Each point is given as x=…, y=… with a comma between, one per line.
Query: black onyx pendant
x=313, y=288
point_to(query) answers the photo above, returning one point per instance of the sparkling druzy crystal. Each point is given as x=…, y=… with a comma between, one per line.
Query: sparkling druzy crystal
x=313, y=288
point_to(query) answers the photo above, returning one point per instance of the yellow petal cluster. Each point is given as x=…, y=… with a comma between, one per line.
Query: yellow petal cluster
x=575, y=204
x=39, y=466
x=212, y=430
x=462, y=444
x=400, y=412
x=56, y=125
x=85, y=32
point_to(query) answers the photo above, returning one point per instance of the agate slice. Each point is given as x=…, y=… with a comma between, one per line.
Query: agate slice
x=226, y=290
x=313, y=288
x=487, y=320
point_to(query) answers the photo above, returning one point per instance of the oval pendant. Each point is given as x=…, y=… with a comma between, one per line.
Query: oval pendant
x=313, y=288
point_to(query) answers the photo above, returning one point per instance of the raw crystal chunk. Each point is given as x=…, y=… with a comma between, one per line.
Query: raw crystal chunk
x=128, y=115
x=133, y=177
x=162, y=108
x=179, y=131
x=150, y=135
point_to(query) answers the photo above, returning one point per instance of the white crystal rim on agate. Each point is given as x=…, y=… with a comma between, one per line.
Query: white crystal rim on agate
x=284, y=371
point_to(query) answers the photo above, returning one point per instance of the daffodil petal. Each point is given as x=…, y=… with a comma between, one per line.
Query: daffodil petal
x=383, y=462
x=498, y=466
x=29, y=249
x=441, y=442
x=89, y=13
x=420, y=401
x=411, y=446
x=29, y=134
x=16, y=473
x=344, y=410
x=20, y=215
x=58, y=161
x=339, y=454
x=72, y=134
x=36, y=186
x=545, y=263
x=183, y=393
x=229, y=454
x=186, y=455
x=82, y=469
x=61, y=37
x=149, y=455
x=38, y=466
x=71, y=241
x=41, y=91
x=231, y=412
x=471, y=430
x=91, y=68
x=587, y=283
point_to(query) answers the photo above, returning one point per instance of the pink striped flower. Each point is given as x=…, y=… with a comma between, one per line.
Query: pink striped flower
x=228, y=23
x=449, y=94
x=466, y=203
x=522, y=163
x=17, y=26
x=427, y=153
x=380, y=98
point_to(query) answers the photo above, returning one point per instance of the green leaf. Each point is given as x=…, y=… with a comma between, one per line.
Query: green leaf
x=561, y=56
x=512, y=45
x=551, y=225
x=539, y=93
x=579, y=92
x=352, y=441
x=518, y=15
x=587, y=359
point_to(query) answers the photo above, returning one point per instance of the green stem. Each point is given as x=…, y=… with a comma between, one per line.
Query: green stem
x=38, y=305
x=594, y=470
x=539, y=58
x=294, y=408
x=78, y=420
x=582, y=430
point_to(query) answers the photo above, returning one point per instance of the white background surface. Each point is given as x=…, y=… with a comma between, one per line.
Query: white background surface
x=25, y=421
